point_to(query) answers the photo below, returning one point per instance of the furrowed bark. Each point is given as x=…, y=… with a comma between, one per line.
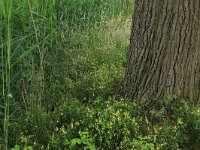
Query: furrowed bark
x=164, y=54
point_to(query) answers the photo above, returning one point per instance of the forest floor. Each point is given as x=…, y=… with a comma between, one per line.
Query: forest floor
x=62, y=65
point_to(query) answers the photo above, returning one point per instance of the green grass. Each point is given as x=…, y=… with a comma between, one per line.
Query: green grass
x=62, y=66
x=46, y=36
x=6, y=69
x=54, y=50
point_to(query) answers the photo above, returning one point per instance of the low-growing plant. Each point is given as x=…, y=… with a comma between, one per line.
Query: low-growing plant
x=84, y=142
x=109, y=125
x=17, y=147
x=142, y=143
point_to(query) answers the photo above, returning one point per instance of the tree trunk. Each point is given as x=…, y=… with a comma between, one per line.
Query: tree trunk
x=164, y=54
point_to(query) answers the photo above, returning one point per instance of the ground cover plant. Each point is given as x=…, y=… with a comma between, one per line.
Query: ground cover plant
x=62, y=69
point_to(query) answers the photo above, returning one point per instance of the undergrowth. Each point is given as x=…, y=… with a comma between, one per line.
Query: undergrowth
x=62, y=67
x=110, y=125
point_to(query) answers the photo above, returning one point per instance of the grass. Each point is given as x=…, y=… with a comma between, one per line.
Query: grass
x=62, y=65
x=48, y=53
x=6, y=68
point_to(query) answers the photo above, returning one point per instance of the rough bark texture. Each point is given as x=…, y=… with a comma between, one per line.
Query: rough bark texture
x=164, y=54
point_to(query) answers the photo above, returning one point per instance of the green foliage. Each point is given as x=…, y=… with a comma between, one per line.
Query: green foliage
x=83, y=140
x=143, y=144
x=61, y=61
x=83, y=13
x=39, y=43
x=110, y=125
x=17, y=147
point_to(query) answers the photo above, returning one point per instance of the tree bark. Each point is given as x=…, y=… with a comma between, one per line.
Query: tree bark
x=164, y=54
